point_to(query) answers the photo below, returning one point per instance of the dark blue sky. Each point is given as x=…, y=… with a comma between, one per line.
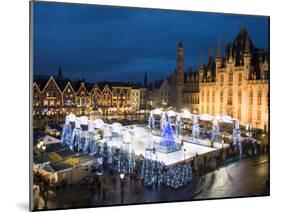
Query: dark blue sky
x=114, y=43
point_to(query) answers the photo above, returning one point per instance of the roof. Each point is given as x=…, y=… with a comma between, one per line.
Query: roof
x=68, y=163
x=55, y=147
x=59, y=166
x=158, y=83
x=239, y=45
x=41, y=81
x=42, y=158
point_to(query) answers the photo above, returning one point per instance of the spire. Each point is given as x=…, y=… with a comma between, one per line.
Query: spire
x=60, y=76
x=218, y=49
x=180, y=44
x=230, y=52
x=145, y=79
x=211, y=55
x=247, y=45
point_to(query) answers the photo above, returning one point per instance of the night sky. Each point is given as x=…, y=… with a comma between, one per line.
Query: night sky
x=99, y=43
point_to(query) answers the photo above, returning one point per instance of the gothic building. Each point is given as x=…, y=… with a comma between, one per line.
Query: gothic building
x=238, y=83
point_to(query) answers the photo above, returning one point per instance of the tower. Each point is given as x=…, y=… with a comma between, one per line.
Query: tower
x=180, y=68
x=179, y=77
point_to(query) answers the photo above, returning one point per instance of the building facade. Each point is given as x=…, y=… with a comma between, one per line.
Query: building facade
x=237, y=84
x=108, y=97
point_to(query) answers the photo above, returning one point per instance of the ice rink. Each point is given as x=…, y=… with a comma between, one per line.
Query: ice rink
x=140, y=144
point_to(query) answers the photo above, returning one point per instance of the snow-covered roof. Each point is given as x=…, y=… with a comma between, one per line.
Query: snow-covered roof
x=157, y=111
x=116, y=127
x=98, y=123
x=171, y=113
x=186, y=114
x=71, y=117
x=84, y=120
x=226, y=119
x=206, y=117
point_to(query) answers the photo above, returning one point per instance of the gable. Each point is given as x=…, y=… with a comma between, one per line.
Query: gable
x=68, y=86
x=51, y=85
x=81, y=90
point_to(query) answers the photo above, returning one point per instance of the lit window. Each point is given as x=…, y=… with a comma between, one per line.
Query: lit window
x=229, y=100
x=239, y=97
x=240, y=78
x=222, y=79
x=230, y=78
x=259, y=98
x=221, y=97
x=251, y=98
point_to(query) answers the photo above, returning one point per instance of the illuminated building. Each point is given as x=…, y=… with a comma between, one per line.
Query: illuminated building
x=237, y=84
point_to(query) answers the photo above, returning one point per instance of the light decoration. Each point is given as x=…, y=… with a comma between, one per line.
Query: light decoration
x=168, y=137
x=167, y=142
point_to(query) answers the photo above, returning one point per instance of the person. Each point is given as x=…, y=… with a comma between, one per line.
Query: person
x=36, y=197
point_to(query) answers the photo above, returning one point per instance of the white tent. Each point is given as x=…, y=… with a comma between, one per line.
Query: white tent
x=171, y=113
x=186, y=114
x=116, y=127
x=84, y=120
x=98, y=123
x=157, y=111
x=206, y=117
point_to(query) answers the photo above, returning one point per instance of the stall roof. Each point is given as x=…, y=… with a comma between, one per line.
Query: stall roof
x=68, y=163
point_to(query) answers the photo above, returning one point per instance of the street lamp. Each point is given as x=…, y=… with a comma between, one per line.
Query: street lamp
x=184, y=152
x=122, y=175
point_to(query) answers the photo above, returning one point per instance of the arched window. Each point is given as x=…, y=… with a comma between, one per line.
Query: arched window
x=221, y=97
x=239, y=97
x=258, y=116
x=213, y=97
x=240, y=78
x=251, y=98
x=221, y=79
x=208, y=96
x=230, y=78
x=229, y=98
x=259, y=98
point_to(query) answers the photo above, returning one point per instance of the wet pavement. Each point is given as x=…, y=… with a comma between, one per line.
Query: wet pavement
x=245, y=177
